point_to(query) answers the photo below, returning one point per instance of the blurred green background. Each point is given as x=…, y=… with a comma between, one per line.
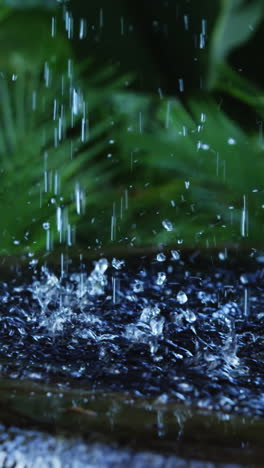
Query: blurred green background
x=118, y=116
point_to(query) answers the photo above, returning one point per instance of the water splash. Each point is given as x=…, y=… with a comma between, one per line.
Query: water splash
x=184, y=335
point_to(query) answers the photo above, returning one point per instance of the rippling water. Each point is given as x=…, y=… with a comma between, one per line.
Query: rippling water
x=160, y=328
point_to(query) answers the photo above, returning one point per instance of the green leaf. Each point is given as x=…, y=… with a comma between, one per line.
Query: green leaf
x=235, y=25
x=231, y=82
x=222, y=164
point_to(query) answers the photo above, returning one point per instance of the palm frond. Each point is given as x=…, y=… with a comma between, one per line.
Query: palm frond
x=206, y=177
x=52, y=141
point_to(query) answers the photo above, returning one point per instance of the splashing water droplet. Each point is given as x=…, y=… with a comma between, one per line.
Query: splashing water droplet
x=175, y=255
x=148, y=313
x=101, y=266
x=167, y=225
x=190, y=316
x=182, y=297
x=244, y=279
x=138, y=286
x=117, y=264
x=161, y=257
x=46, y=226
x=161, y=278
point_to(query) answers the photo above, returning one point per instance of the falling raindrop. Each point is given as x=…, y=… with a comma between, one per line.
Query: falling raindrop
x=181, y=85
x=167, y=225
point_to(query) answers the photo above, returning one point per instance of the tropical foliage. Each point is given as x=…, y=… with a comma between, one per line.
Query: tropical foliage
x=84, y=152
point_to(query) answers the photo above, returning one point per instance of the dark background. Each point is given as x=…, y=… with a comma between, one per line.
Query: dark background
x=155, y=43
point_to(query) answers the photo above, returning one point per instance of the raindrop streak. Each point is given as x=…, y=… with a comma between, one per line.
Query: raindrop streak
x=113, y=224
x=167, y=225
x=244, y=218
x=167, y=123
x=53, y=26
x=181, y=85
x=101, y=18
x=140, y=122
x=82, y=29
x=186, y=22
x=122, y=25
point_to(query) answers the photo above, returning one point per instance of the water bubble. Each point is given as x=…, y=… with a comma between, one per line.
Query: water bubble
x=117, y=264
x=161, y=257
x=175, y=255
x=46, y=226
x=167, y=225
x=231, y=141
x=161, y=278
x=182, y=297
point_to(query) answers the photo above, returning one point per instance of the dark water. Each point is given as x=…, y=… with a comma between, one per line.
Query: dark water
x=161, y=328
